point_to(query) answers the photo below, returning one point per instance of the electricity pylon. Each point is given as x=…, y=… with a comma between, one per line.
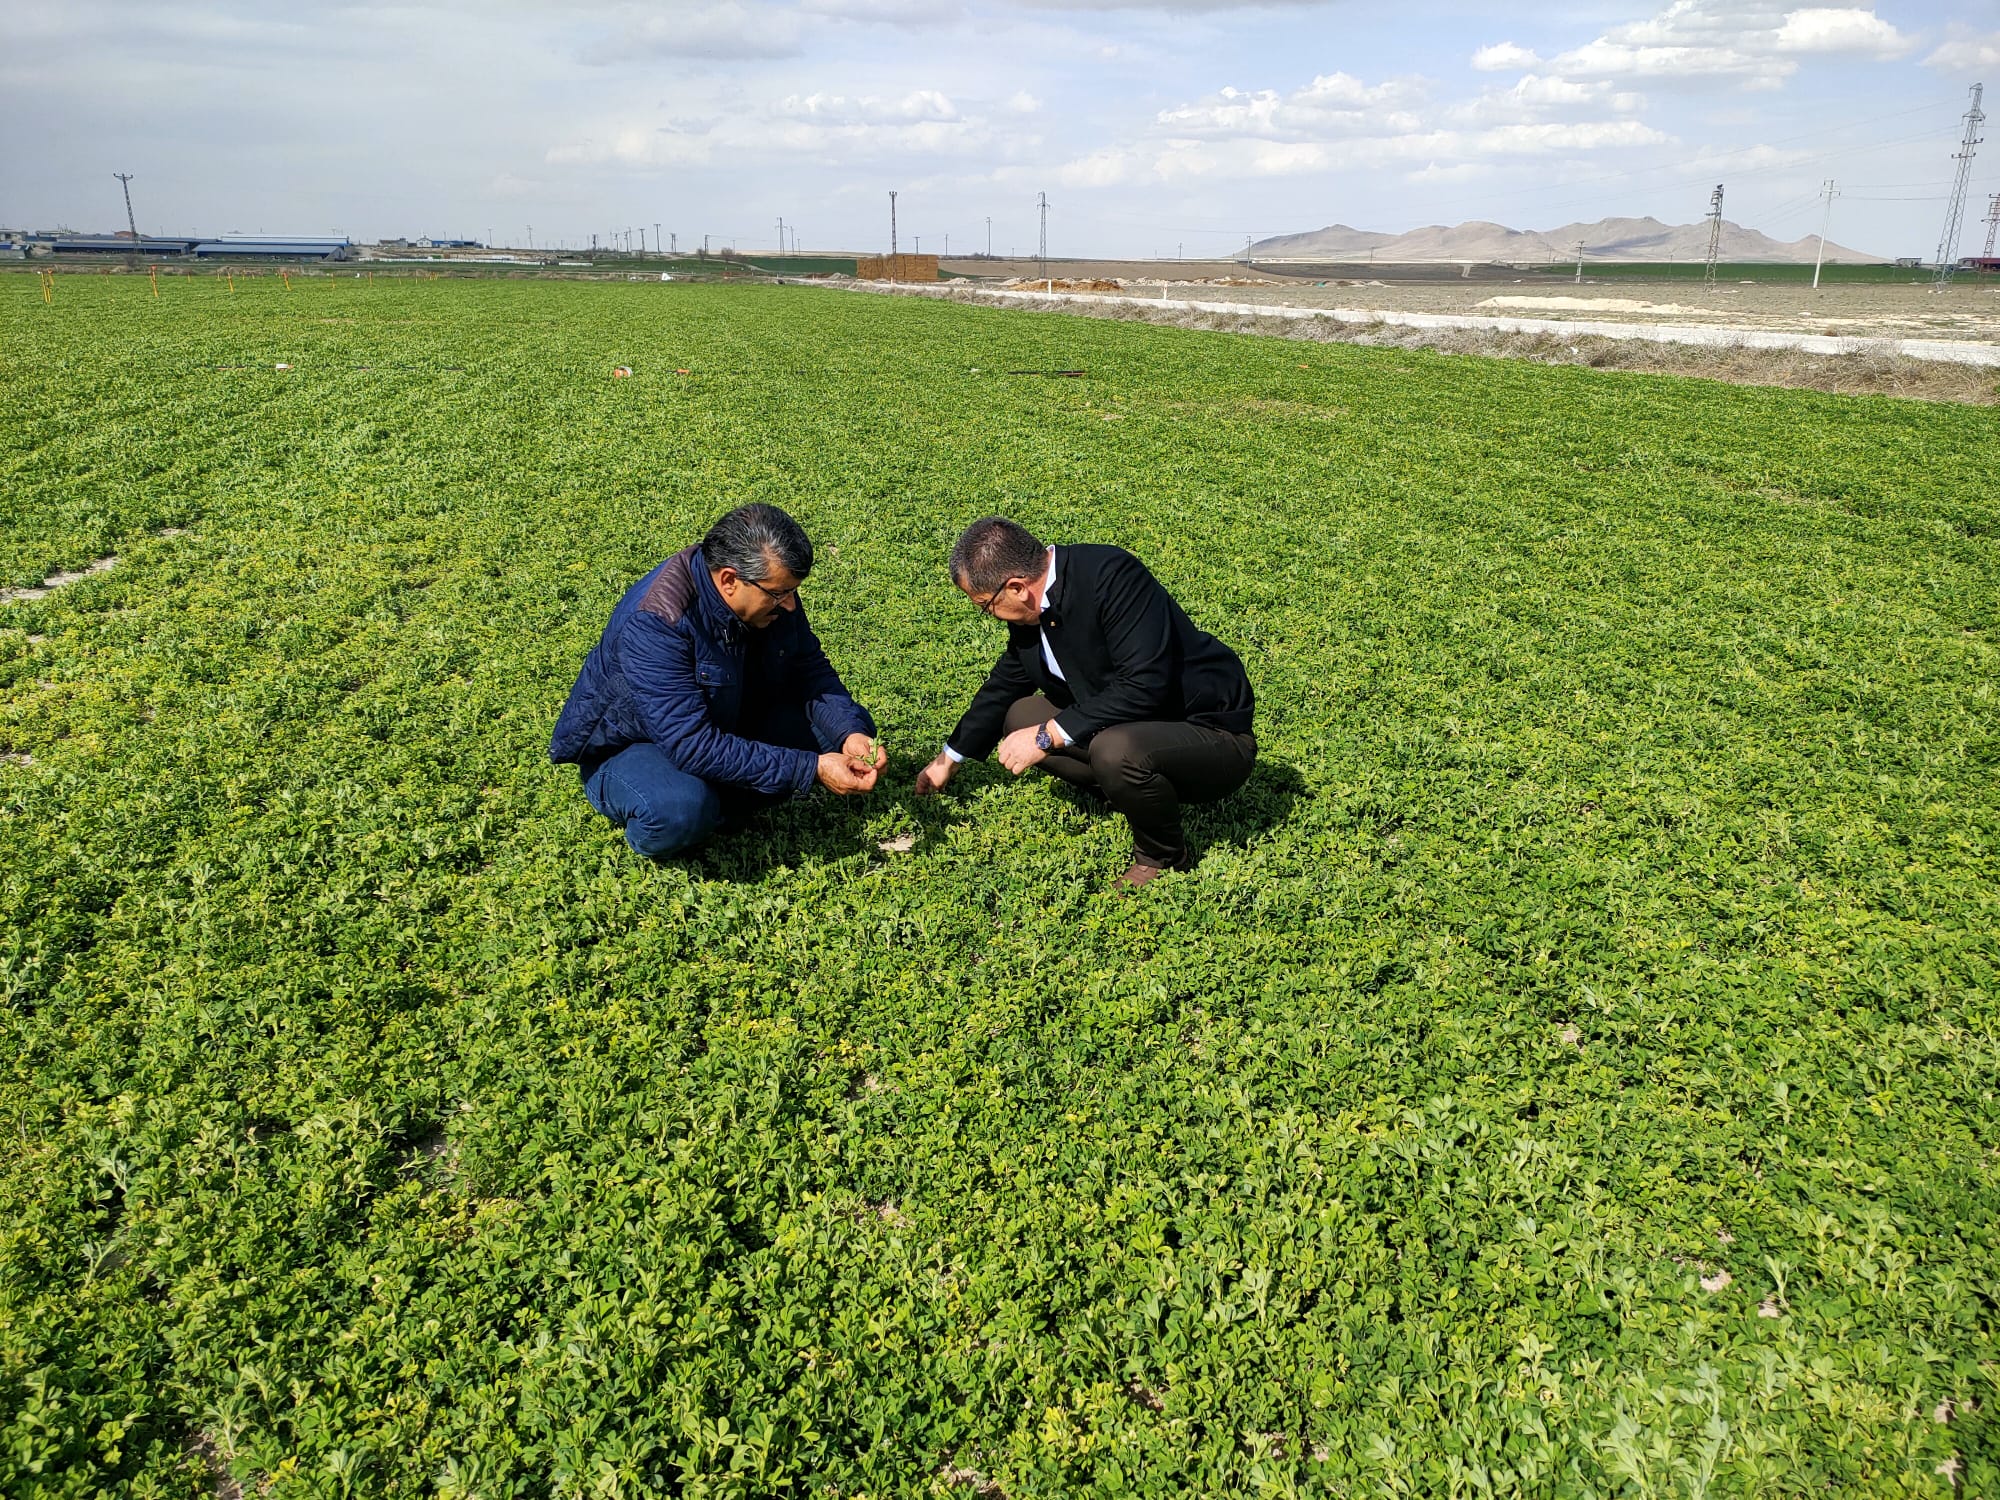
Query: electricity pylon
x=1954, y=214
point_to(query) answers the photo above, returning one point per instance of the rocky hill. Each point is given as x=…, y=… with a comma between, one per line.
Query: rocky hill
x=1605, y=240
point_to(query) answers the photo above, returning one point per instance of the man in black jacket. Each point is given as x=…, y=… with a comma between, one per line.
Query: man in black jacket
x=1105, y=682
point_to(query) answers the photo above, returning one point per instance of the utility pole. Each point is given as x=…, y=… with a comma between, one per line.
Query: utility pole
x=920, y=243
x=1824, y=219
x=673, y=244
x=1714, y=238
x=1042, y=252
x=125, y=181
x=892, y=223
x=947, y=247
x=1955, y=213
x=1579, y=262
x=531, y=236
x=989, y=236
x=781, y=235
x=656, y=236
x=1992, y=225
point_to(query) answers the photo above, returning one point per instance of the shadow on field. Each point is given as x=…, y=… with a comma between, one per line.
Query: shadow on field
x=1256, y=807
x=822, y=829
x=825, y=830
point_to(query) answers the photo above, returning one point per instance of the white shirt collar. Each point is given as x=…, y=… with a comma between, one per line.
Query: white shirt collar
x=1049, y=581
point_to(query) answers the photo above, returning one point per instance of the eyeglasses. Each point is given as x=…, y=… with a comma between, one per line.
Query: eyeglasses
x=986, y=605
x=789, y=595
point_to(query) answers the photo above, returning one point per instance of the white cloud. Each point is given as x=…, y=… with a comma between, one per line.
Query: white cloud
x=1332, y=104
x=1504, y=57
x=815, y=127
x=727, y=31
x=1752, y=42
x=1167, y=5
x=887, y=12
x=1023, y=103
x=1559, y=135
x=1830, y=30
x=1531, y=98
x=1099, y=169
x=1608, y=58
x=1967, y=54
x=834, y=109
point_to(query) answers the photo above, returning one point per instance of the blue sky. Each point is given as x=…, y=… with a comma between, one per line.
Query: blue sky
x=1180, y=126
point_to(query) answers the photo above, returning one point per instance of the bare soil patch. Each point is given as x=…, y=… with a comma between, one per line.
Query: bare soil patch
x=57, y=581
x=1864, y=372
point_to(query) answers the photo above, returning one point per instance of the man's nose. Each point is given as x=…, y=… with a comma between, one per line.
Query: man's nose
x=789, y=602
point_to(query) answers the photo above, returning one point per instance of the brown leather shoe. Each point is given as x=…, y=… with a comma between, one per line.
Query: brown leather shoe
x=1139, y=873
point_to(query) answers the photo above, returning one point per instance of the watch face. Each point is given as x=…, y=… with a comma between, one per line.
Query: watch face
x=1043, y=739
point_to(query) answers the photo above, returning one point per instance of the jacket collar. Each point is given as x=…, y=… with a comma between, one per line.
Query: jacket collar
x=1052, y=601
x=717, y=618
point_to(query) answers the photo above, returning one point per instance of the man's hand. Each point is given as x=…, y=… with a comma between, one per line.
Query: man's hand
x=842, y=775
x=864, y=752
x=1019, y=751
x=933, y=776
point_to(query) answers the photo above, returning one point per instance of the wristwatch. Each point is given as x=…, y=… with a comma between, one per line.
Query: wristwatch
x=1044, y=741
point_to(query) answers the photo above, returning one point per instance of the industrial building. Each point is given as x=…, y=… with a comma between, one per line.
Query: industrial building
x=236, y=247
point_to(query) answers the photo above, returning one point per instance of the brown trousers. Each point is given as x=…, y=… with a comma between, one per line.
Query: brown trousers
x=1146, y=771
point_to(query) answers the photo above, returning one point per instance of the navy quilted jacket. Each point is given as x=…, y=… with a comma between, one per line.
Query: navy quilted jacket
x=677, y=668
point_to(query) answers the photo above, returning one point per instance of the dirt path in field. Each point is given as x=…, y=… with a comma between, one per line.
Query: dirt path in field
x=1714, y=335
x=1930, y=369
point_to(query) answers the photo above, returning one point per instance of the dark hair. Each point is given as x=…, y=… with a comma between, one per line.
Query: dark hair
x=994, y=549
x=752, y=537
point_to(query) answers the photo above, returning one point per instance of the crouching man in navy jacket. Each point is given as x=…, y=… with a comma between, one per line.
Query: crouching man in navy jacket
x=709, y=696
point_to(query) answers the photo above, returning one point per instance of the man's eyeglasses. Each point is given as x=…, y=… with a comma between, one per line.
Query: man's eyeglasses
x=986, y=605
x=787, y=596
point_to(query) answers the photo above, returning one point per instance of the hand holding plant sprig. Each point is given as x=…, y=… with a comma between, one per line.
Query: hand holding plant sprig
x=855, y=766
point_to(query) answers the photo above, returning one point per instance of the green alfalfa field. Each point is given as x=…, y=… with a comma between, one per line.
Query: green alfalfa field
x=1570, y=1072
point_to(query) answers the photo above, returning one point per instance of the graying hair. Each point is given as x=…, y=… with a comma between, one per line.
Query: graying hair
x=753, y=537
x=994, y=549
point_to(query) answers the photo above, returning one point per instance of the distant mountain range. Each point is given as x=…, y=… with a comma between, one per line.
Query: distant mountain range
x=1605, y=240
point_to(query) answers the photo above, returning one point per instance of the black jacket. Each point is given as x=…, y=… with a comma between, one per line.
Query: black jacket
x=1128, y=652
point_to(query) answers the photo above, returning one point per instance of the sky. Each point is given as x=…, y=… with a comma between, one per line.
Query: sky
x=1174, y=127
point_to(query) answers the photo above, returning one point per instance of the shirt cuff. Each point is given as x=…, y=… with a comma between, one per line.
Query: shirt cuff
x=1070, y=736
x=953, y=755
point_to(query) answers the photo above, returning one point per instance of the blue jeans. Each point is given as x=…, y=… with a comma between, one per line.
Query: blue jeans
x=665, y=810
x=662, y=809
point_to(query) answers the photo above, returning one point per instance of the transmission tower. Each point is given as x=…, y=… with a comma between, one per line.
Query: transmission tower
x=1992, y=226
x=125, y=181
x=1714, y=238
x=1955, y=212
x=1042, y=251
